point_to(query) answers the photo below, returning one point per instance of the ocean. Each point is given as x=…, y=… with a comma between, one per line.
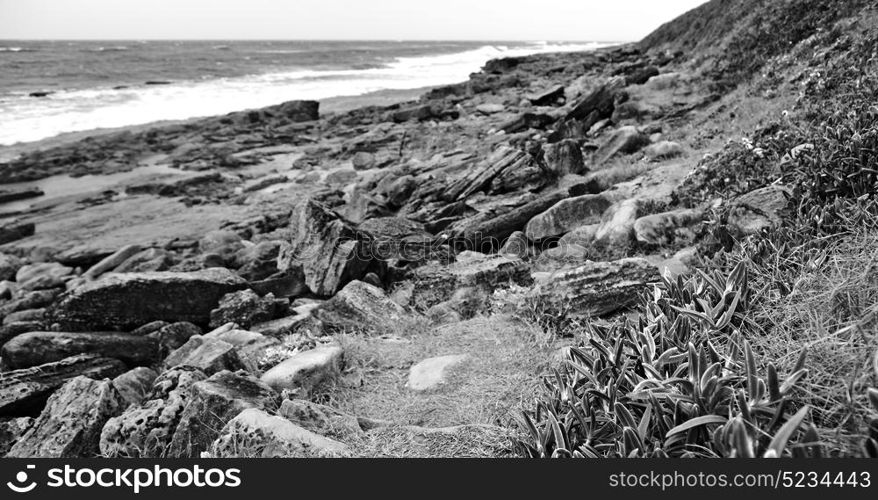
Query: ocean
x=52, y=87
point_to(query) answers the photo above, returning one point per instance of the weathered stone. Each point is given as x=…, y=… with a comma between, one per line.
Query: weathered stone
x=289, y=283
x=171, y=337
x=668, y=228
x=11, y=430
x=70, y=425
x=319, y=418
x=212, y=404
x=256, y=434
x=42, y=276
x=486, y=234
x=112, y=262
x=436, y=284
x=617, y=227
x=624, y=140
x=359, y=307
x=549, y=97
x=225, y=244
x=325, y=247
x=663, y=150
x=259, y=261
x=134, y=385
x=398, y=238
x=15, y=231
x=245, y=308
x=567, y=215
x=759, y=209
x=516, y=245
x=596, y=288
x=207, y=354
x=363, y=160
x=31, y=315
x=146, y=430
x=36, y=299
x=23, y=391
x=285, y=326
x=564, y=157
x=480, y=176
x=598, y=103
x=126, y=301
x=149, y=260
x=251, y=346
x=9, y=266
x=526, y=121
x=36, y=348
x=307, y=369
x=299, y=111
x=433, y=372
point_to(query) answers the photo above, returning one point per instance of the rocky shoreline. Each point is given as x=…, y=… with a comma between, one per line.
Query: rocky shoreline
x=195, y=310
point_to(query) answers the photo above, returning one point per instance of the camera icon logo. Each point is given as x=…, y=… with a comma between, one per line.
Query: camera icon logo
x=21, y=478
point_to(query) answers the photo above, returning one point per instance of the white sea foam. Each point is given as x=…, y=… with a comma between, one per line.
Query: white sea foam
x=24, y=119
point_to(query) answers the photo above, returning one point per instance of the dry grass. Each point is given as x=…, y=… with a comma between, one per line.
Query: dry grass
x=500, y=376
x=832, y=310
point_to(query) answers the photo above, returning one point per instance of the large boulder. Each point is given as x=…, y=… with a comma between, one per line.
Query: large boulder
x=595, y=288
x=146, y=430
x=624, y=140
x=127, y=301
x=26, y=390
x=257, y=434
x=326, y=247
x=35, y=348
x=567, y=215
x=212, y=404
x=70, y=425
x=306, y=370
x=360, y=307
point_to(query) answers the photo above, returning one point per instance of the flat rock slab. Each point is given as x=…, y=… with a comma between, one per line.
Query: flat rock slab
x=36, y=348
x=306, y=369
x=567, y=215
x=127, y=301
x=24, y=391
x=70, y=425
x=209, y=355
x=255, y=433
x=432, y=372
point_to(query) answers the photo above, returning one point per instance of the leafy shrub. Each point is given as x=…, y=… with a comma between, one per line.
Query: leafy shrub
x=682, y=382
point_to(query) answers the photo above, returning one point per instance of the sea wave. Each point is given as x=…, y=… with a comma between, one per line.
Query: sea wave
x=24, y=119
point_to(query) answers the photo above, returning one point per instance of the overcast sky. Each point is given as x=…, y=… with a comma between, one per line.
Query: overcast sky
x=604, y=20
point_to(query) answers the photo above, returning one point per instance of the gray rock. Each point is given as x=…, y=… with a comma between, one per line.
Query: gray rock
x=564, y=157
x=437, y=283
x=432, y=372
x=127, y=301
x=9, y=266
x=23, y=391
x=42, y=276
x=360, y=307
x=617, y=225
x=213, y=403
x=668, y=228
x=172, y=336
x=256, y=434
x=624, y=140
x=325, y=247
x=567, y=215
x=320, y=418
x=517, y=245
x=113, y=261
x=663, y=150
x=210, y=355
x=250, y=346
x=759, y=209
x=595, y=288
x=35, y=348
x=306, y=370
x=70, y=425
x=11, y=430
x=146, y=430
x=149, y=260
x=134, y=385
x=245, y=308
